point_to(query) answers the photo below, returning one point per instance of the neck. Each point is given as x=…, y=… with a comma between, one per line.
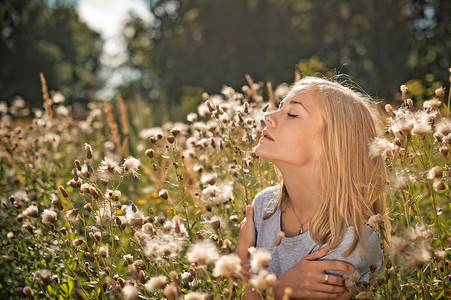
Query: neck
x=302, y=184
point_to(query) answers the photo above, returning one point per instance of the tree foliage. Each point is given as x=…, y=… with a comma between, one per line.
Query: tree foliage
x=48, y=37
x=206, y=43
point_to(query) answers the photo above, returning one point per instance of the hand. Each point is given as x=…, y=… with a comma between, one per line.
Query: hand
x=246, y=238
x=307, y=278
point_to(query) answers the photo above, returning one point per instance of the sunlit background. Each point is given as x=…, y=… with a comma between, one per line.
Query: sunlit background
x=168, y=52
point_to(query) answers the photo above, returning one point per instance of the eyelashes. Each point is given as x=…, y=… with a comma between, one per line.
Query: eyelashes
x=292, y=116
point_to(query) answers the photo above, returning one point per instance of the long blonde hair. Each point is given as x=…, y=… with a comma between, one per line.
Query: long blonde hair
x=351, y=182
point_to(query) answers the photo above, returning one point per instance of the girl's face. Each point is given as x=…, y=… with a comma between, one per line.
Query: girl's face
x=293, y=132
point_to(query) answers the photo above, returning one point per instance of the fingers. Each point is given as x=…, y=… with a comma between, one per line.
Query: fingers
x=316, y=255
x=249, y=219
x=250, y=213
x=329, y=288
x=321, y=295
x=333, y=280
x=333, y=265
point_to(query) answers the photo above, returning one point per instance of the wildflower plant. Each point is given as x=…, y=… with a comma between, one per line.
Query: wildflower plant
x=416, y=149
x=96, y=209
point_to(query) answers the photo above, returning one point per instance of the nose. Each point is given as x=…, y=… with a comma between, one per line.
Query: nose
x=270, y=120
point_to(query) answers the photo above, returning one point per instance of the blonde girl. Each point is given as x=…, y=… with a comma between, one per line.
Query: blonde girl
x=319, y=141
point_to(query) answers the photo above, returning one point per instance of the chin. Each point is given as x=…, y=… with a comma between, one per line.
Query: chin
x=261, y=153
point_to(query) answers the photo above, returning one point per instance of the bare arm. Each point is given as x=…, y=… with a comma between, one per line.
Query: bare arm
x=307, y=279
x=246, y=239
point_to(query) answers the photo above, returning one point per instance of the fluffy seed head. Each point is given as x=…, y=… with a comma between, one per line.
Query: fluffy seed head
x=435, y=172
x=48, y=216
x=103, y=251
x=72, y=215
x=197, y=296
x=43, y=277
x=432, y=104
x=31, y=211
x=444, y=127
x=109, y=165
x=203, y=253
x=381, y=147
x=130, y=292
x=351, y=278
x=259, y=259
x=440, y=92
x=131, y=166
x=171, y=291
x=419, y=257
x=263, y=280
x=157, y=283
x=227, y=265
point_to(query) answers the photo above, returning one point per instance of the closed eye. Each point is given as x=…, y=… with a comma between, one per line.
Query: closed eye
x=291, y=115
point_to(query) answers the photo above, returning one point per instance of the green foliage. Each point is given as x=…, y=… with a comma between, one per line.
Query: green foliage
x=38, y=37
x=207, y=43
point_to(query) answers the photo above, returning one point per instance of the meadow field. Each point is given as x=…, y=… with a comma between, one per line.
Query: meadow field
x=104, y=204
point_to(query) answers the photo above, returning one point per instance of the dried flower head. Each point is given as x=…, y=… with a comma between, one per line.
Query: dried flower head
x=444, y=126
x=197, y=296
x=351, y=278
x=128, y=259
x=103, y=251
x=403, y=89
x=432, y=104
x=203, y=253
x=109, y=165
x=29, y=292
x=419, y=256
x=113, y=195
x=63, y=191
x=130, y=292
x=163, y=194
x=135, y=216
x=208, y=178
x=72, y=215
x=227, y=265
x=88, y=151
x=381, y=147
x=131, y=166
x=439, y=185
x=155, y=284
x=440, y=92
x=31, y=211
x=43, y=277
x=217, y=194
x=263, y=280
x=191, y=117
x=259, y=259
x=422, y=125
x=435, y=172
x=171, y=291
x=48, y=216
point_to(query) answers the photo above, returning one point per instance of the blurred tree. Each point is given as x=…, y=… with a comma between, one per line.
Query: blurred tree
x=47, y=36
x=430, y=24
x=207, y=43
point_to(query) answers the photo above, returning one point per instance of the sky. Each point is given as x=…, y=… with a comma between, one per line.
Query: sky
x=108, y=18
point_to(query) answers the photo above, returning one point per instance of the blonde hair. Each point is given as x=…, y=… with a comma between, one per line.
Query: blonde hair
x=351, y=182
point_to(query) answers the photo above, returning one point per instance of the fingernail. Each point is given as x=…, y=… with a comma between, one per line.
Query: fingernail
x=248, y=208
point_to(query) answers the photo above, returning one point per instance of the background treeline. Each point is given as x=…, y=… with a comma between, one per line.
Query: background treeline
x=194, y=46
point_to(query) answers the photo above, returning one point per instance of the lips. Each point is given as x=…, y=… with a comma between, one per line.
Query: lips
x=266, y=135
